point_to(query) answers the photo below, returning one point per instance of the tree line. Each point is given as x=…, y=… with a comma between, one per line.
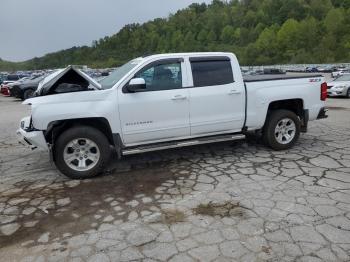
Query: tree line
x=259, y=32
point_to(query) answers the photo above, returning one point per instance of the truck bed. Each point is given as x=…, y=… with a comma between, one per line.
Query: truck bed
x=257, y=78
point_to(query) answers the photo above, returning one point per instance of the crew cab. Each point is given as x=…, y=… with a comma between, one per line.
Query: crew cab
x=165, y=101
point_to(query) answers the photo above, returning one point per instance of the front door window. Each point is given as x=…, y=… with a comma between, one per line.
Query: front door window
x=162, y=77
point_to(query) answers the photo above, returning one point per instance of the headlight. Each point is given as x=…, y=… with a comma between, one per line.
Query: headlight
x=340, y=88
x=25, y=123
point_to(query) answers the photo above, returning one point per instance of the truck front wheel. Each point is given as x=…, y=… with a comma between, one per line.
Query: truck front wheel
x=82, y=152
x=281, y=130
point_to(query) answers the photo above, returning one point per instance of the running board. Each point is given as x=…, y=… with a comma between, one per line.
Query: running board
x=182, y=143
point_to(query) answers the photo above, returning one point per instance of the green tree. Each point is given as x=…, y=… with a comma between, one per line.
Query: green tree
x=258, y=31
x=227, y=35
x=287, y=37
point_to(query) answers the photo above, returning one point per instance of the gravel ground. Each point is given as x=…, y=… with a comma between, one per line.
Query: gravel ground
x=225, y=202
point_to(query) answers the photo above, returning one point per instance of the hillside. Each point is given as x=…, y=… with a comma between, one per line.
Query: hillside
x=258, y=31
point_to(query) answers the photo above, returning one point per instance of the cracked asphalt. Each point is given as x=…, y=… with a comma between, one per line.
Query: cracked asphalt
x=223, y=202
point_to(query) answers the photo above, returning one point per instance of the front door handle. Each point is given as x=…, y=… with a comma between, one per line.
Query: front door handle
x=234, y=92
x=179, y=97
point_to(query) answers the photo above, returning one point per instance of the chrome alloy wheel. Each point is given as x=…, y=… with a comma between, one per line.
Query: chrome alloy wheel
x=81, y=154
x=285, y=131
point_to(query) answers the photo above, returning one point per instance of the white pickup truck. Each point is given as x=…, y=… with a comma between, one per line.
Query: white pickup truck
x=165, y=101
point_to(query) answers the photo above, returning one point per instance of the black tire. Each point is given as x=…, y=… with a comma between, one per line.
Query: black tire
x=84, y=132
x=272, y=120
x=28, y=94
x=348, y=93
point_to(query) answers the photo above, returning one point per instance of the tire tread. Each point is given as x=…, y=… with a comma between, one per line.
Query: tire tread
x=269, y=128
x=78, y=132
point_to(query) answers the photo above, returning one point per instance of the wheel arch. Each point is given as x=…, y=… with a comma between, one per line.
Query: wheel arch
x=295, y=105
x=56, y=128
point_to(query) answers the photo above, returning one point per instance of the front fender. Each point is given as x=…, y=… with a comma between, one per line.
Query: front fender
x=88, y=104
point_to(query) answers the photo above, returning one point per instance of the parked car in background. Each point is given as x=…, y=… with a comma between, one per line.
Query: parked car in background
x=6, y=81
x=11, y=78
x=25, y=89
x=2, y=77
x=165, y=101
x=338, y=73
x=311, y=69
x=339, y=68
x=273, y=71
x=339, y=86
x=4, y=90
x=326, y=69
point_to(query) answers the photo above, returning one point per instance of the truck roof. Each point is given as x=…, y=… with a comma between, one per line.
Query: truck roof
x=188, y=54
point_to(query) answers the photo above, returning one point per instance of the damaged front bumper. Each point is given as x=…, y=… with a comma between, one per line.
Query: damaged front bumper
x=30, y=137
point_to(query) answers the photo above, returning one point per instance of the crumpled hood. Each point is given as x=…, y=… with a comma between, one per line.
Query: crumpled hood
x=49, y=81
x=96, y=95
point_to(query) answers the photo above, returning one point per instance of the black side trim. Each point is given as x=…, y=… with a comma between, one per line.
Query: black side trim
x=209, y=58
x=245, y=128
x=322, y=114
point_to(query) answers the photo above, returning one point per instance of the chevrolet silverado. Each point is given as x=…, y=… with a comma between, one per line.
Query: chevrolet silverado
x=165, y=101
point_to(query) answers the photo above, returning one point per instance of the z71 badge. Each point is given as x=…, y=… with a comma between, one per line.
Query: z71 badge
x=315, y=80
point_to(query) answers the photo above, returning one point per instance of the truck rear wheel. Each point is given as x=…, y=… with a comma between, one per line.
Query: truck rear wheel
x=82, y=152
x=281, y=130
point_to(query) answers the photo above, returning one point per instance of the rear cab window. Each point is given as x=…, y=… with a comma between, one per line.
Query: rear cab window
x=211, y=71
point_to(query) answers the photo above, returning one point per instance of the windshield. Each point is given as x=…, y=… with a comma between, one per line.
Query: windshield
x=343, y=78
x=34, y=77
x=119, y=73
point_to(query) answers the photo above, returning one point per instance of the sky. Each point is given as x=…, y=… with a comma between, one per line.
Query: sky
x=32, y=28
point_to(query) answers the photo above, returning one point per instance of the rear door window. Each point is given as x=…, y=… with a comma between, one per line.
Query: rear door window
x=211, y=71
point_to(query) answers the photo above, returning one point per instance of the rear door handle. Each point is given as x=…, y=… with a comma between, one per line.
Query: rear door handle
x=179, y=97
x=234, y=92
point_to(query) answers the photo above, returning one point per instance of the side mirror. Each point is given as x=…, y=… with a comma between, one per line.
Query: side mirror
x=136, y=84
